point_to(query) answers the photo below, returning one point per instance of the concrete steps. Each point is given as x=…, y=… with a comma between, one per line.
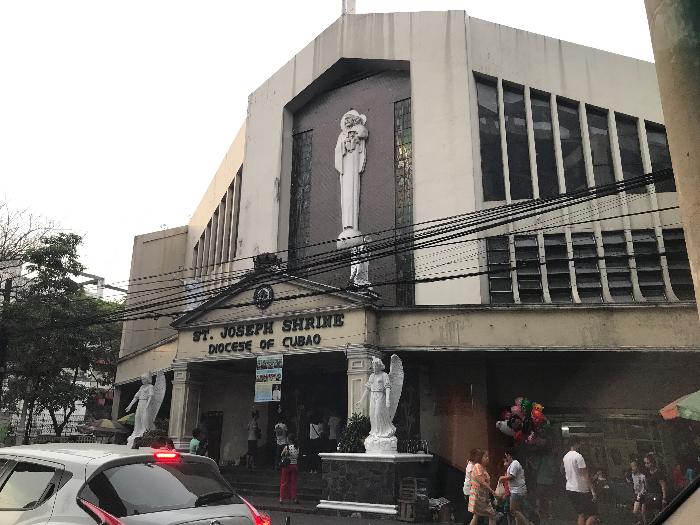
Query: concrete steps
x=265, y=483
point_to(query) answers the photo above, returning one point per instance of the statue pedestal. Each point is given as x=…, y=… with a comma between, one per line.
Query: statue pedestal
x=368, y=482
x=349, y=238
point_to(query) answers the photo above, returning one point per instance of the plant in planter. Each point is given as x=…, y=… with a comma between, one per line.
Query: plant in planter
x=352, y=439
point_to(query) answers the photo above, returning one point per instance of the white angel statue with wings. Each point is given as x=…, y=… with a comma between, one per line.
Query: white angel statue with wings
x=384, y=391
x=149, y=398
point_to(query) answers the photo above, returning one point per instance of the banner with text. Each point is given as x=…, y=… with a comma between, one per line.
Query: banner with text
x=268, y=378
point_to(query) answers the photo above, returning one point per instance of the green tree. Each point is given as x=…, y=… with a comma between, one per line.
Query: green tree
x=52, y=346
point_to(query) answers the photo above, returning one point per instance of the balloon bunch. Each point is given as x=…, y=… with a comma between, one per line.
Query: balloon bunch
x=525, y=422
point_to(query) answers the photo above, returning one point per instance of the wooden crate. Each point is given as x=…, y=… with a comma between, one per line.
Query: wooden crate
x=411, y=489
x=413, y=511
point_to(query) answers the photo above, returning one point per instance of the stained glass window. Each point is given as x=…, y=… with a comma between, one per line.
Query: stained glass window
x=299, y=209
x=403, y=182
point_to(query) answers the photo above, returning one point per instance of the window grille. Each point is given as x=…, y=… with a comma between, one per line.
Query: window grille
x=528, y=269
x=557, y=264
x=678, y=265
x=588, y=284
x=617, y=266
x=498, y=262
x=649, y=273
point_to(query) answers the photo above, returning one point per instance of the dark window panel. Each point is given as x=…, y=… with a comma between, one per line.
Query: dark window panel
x=600, y=146
x=403, y=188
x=490, y=141
x=547, y=179
x=498, y=263
x=590, y=289
x=528, y=269
x=649, y=273
x=557, y=263
x=300, y=205
x=678, y=264
x=618, y=266
x=571, y=146
x=660, y=155
x=630, y=154
x=516, y=140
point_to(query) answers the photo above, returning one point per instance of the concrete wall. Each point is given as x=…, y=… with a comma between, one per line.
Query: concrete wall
x=440, y=102
x=161, y=257
x=133, y=365
x=222, y=179
x=570, y=70
x=546, y=328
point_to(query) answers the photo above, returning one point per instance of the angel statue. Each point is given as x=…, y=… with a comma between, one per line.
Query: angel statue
x=384, y=392
x=149, y=398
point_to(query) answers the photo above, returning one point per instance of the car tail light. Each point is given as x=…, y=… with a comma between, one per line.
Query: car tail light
x=100, y=516
x=166, y=455
x=258, y=518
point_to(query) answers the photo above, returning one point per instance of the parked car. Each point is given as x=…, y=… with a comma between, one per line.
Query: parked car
x=89, y=483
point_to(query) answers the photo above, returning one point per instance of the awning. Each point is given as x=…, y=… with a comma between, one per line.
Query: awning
x=686, y=407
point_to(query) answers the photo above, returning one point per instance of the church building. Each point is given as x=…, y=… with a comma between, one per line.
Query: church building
x=361, y=211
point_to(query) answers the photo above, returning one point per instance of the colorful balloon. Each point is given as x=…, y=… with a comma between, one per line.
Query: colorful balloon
x=537, y=416
x=516, y=410
x=515, y=423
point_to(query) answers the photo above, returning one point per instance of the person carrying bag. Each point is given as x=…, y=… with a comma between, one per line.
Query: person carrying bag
x=290, y=470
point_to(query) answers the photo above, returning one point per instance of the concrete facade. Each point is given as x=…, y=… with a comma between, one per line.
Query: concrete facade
x=436, y=58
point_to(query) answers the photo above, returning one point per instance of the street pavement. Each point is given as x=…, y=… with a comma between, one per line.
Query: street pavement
x=305, y=513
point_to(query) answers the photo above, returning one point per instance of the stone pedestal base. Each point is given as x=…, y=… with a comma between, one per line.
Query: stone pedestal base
x=381, y=445
x=368, y=482
x=349, y=238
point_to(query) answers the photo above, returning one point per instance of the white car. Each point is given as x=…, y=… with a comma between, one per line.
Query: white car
x=85, y=483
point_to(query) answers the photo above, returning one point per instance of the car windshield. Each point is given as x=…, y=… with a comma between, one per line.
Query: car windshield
x=141, y=488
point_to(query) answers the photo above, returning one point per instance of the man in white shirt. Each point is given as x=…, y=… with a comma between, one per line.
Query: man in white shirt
x=515, y=476
x=579, y=488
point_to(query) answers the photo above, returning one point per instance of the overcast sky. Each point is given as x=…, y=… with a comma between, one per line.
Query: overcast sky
x=115, y=115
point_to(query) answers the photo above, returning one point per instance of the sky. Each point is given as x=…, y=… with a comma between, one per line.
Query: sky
x=114, y=116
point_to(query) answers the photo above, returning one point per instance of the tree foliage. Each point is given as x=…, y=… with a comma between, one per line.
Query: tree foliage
x=52, y=350
x=353, y=436
x=20, y=231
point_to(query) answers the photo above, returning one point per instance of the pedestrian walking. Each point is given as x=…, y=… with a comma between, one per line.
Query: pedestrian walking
x=579, y=489
x=290, y=470
x=639, y=487
x=467, y=487
x=280, y=439
x=515, y=477
x=316, y=433
x=657, y=485
x=254, y=434
x=481, y=491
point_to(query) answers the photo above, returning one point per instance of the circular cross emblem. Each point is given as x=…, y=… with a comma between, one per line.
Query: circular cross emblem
x=263, y=296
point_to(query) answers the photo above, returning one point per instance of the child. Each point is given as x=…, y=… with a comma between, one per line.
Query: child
x=639, y=485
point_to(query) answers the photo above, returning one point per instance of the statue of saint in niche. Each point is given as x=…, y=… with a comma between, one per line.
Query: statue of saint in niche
x=350, y=160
